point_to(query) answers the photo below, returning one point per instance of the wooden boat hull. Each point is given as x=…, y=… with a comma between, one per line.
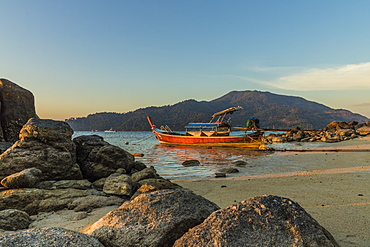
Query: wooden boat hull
x=249, y=140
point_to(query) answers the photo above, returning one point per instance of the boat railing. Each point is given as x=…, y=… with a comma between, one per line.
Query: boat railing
x=166, y=128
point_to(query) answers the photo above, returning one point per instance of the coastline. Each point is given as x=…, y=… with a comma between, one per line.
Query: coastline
x=331, y=186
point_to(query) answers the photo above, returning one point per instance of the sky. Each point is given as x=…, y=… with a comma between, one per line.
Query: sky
x=79, y=57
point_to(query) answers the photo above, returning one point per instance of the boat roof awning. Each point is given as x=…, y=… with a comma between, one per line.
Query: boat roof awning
x=206, y=125
x=227, y=111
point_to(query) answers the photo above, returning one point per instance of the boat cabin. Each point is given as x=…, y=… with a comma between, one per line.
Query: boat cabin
x=220, y=127
x=208, y=129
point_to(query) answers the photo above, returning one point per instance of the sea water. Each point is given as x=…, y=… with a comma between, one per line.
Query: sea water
x=168, y=159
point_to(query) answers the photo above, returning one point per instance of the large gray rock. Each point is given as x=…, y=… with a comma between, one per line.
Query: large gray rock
x=119, y=184
x=259, y=221
x=98, y=159
x=153, y=184
x=153, y=219
x=46, y=145
x=13, y=219
x=16, y=107
x=34, y=200
x=23, y=179
x=47, y=237
x=64, y=184
x=148, y=172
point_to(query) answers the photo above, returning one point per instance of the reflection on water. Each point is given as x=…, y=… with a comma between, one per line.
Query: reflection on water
x=167, y=159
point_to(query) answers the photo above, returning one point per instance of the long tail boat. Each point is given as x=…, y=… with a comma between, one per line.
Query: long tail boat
x=214, y=133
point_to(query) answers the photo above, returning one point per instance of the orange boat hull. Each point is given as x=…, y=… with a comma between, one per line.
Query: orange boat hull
x=253, y=140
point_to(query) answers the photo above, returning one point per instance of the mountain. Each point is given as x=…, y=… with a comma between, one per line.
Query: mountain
x=273, y=111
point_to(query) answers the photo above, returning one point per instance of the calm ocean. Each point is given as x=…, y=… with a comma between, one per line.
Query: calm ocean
x=167, y=159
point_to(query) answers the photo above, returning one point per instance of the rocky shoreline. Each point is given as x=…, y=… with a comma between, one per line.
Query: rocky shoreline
x=333, y=132
x=46, y=171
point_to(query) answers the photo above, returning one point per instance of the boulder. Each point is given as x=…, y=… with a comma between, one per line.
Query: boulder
x=353, y=123
x=152, y=219
x=17, y=106
x=153, y=184
x=335, y=125
x=13, y=219
x=46, y=145
x=23, y=179
x=49, y=236
x=33, y=201
x=298, y=136
x=188, y=163
x=118, y=184
x=259, y=221
x=64, y=184
x=98, y=159
x=345, y=132
x=228, y=170
x=159, y=183
x=364, y=130
x=220, y=175
x=138, y=166
x=148, y=172
x=91, y=202
x=239, y=163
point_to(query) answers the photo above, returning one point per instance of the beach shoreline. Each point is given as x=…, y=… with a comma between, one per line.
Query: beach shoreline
x=331, y=186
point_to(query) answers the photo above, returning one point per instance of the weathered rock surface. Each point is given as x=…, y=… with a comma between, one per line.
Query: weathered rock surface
x=364, y=130
x=98, y=159
x=23, y=179
x=119, y=184
x=46, y=145
x=259, y=221
x=17, y=106
x=50, y=236
x=152, y=219
x=145, y=173
x=13, y=219
x=34, y=200
x=64, y=184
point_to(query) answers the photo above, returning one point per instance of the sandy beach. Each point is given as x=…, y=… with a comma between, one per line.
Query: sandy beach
x=332, y=186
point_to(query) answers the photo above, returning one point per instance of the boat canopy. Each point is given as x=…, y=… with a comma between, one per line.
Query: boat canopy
x=227, y=111
x=206, y=125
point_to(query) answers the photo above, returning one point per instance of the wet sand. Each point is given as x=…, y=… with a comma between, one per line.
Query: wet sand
x=334, y=187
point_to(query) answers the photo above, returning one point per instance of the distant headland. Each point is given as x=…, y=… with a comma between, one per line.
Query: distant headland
x=273, y=111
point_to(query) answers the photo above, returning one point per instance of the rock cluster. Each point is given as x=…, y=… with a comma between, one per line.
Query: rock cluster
x=151, y=211
x=48, y=171
x=17, y=106
x=333, y=132
x=46, y=145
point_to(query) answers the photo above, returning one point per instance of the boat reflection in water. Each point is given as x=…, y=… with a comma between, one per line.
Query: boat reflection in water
x=167, y=159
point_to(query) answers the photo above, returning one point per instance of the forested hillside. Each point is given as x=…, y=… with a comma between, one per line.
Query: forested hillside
x=273, y=111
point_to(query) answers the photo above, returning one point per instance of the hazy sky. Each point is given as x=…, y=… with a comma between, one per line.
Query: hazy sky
x=84, y=56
